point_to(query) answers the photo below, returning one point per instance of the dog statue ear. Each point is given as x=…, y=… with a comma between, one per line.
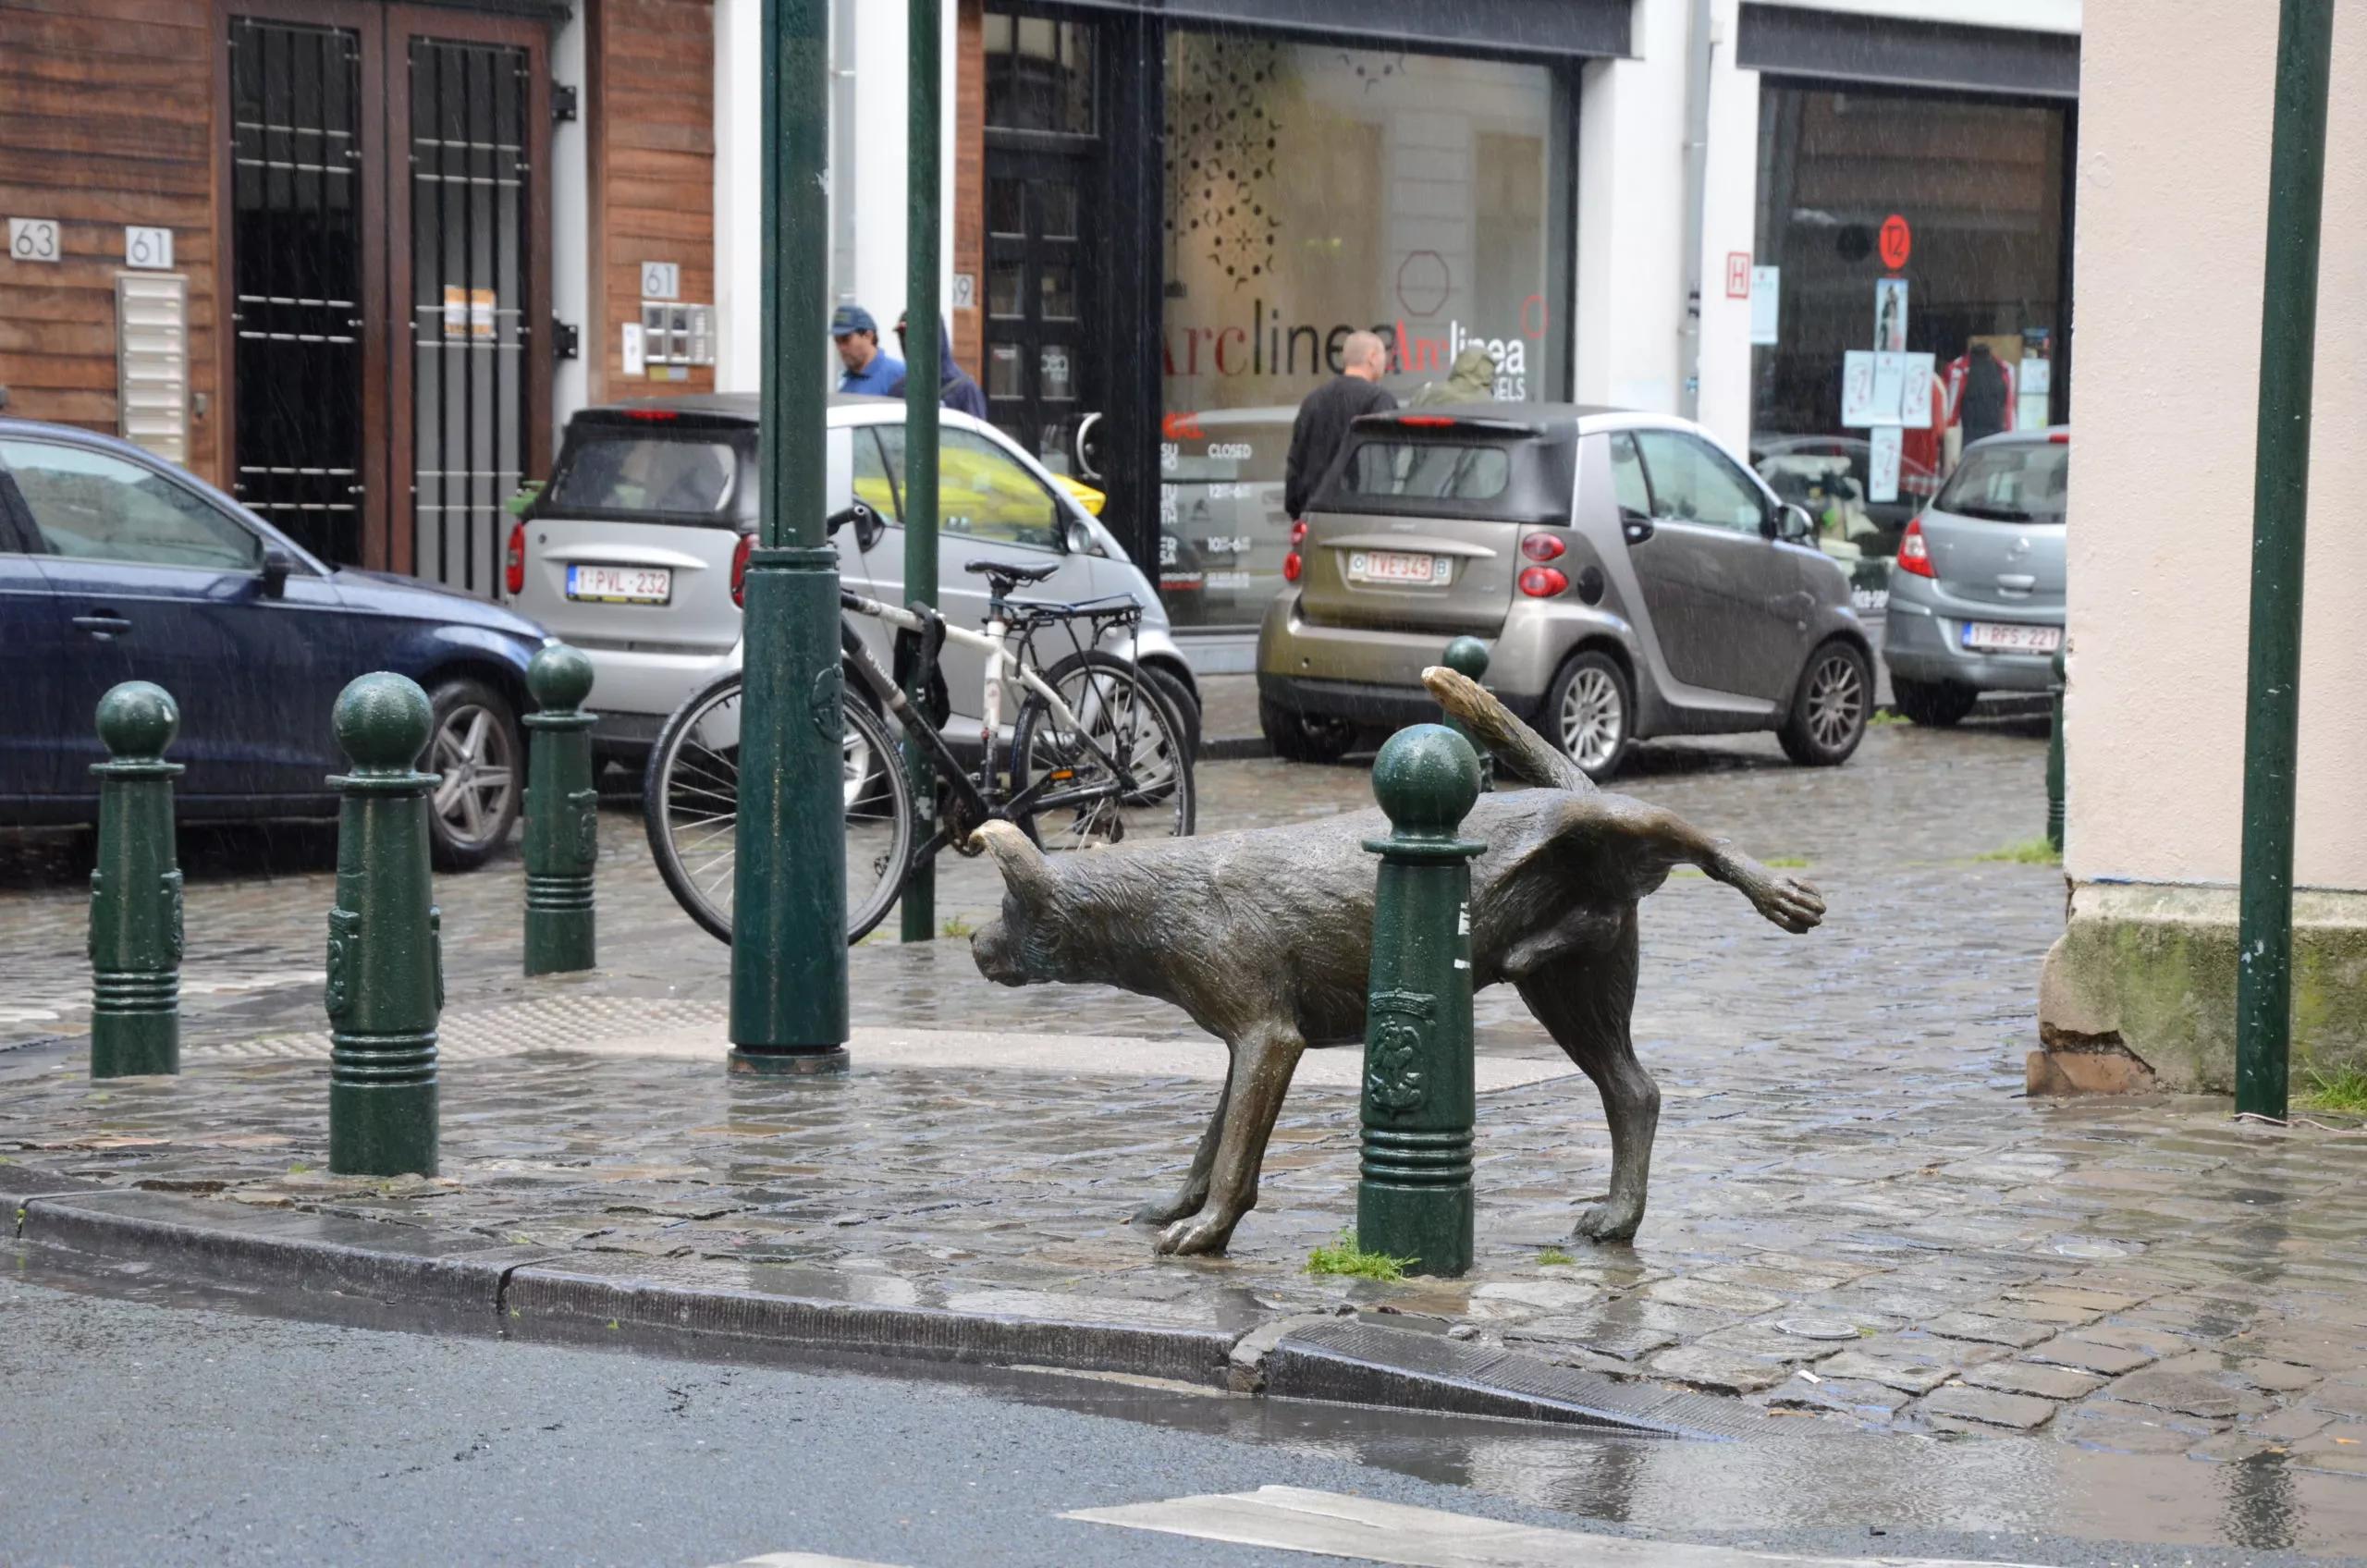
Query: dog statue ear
x=1022, y=863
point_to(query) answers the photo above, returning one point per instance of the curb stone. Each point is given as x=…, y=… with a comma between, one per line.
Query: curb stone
x=543, y=1292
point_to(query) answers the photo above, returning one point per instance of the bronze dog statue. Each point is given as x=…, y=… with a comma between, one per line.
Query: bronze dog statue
x=1264, y=938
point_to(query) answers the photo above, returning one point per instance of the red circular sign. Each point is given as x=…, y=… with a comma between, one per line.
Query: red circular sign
x=1897, y=241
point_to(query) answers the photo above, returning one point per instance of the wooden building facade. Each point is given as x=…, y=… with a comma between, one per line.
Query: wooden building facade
x=306, y=248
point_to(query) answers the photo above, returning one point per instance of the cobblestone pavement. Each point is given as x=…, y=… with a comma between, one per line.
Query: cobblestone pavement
x=1855, y=1214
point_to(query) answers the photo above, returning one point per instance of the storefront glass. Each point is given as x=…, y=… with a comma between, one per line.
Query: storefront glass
x=1313, y=190
x=1913, y=245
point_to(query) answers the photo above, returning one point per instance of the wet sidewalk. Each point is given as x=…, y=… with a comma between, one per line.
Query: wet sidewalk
x=1857, y=1217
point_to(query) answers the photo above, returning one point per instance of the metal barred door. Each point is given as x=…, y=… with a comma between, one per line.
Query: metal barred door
x=296, y=191
x=470, y=278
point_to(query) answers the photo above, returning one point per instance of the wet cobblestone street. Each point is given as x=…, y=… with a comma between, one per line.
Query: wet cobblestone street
x=1855, y=1213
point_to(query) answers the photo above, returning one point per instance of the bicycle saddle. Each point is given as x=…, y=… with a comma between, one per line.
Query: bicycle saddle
x=1003, y=576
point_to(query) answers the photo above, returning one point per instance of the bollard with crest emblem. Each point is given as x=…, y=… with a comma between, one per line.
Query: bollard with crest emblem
x=1414, y=1197
x=385, y=958
x=562, y=814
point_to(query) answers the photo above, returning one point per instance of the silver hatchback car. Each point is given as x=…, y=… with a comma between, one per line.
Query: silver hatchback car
x=630, y=553
x=1630, y=577
x=1975, y=595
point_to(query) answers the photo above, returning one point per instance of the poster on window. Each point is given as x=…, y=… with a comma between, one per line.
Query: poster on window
x=1856, y=389
x=1889, y=381
x=1882, y=481
x=1766, y=303
x=1915, y=393
x=1890, y=315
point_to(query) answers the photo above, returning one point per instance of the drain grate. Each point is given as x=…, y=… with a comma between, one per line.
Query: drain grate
x=552, y=1023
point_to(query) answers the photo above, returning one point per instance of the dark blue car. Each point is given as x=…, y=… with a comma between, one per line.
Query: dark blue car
x=115, y=566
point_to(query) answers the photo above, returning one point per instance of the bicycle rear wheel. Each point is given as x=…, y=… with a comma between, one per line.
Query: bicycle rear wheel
x=690, y=803
x=1084, y=801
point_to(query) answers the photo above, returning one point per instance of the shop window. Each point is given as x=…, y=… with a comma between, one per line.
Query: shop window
x=1919, y=253
x=1312, y=191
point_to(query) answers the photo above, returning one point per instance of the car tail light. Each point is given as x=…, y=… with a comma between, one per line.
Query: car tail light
x=739, y=568
x=1427, y=422
x=1541, y=547
x=1292, y=566
x=1914, y=555
x=1298, y=535
x=653, y=416
x=2060, y=438
x=1543, y=581
x=513, y=571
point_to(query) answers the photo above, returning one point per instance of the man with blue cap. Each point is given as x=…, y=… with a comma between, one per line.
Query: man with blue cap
x=869, y=370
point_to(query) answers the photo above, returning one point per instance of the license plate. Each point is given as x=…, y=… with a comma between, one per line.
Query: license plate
x=1399, y=566
x=620, y=584
x=2006, y=637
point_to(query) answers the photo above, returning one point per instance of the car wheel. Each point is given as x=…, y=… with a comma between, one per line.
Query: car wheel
x=1590, y=714
x=473, y=744
x=1939, y=704
x=1829, y=710
x=1304, y=737
x=1179, y=697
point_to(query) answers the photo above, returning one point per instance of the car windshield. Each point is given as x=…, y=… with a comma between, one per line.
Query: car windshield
x=2018, y=481
x=1432, y=471
x=631, y=470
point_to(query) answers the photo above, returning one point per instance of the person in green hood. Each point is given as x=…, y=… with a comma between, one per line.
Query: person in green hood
x=1471, y=380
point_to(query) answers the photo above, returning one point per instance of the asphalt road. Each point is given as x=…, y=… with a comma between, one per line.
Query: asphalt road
x=153, y=1431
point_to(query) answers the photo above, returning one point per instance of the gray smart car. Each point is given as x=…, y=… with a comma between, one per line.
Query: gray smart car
x=1975, y=595
x=1630, y=577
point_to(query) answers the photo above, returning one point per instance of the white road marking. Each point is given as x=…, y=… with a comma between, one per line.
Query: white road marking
x=1295, y=1519
x=802, y=1560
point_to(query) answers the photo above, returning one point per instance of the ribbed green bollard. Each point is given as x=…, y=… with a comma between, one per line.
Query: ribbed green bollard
x=562, y=814
x=1414, y=1199
x=386, y=963
x=2054, y=761
x=1468, y=656
x=136, y=890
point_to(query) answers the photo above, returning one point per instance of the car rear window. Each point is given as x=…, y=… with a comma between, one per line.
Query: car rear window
x=2018, y=482
x=1452, y=475
x=1429, y=469
x=666, y=478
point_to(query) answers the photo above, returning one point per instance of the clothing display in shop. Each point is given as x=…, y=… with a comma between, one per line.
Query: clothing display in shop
x=1980, y=393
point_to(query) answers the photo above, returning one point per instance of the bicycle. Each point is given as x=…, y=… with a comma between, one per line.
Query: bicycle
x=1097, y=754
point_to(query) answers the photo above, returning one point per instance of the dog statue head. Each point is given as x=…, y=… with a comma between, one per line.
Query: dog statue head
x=1021, y=946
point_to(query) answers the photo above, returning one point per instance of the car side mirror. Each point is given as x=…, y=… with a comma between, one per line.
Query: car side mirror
x=1076, y=538
x=869, y=524
x=276, y=565
x=1793, y=525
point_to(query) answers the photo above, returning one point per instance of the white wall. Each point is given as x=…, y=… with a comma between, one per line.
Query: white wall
x=1631, y=216
x=2173, y=132
x=2035, y=16
x=1730, y=223
x=570, y=230
x=739, y=193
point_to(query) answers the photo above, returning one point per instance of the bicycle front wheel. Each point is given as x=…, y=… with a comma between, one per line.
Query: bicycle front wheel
x=1080, y=797
x=691, y=805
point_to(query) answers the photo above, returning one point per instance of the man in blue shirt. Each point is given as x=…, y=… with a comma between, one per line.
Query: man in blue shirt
x=869, y=370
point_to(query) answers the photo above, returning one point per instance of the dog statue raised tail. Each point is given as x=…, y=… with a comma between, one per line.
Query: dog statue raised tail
x=1264, y=937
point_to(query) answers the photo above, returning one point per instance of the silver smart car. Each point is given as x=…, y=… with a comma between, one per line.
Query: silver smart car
x=1975, y=595
x=1630, y=577
x=630, y=551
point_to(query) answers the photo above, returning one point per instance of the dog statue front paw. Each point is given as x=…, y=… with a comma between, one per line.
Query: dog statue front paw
x=1166, y=1211
x=1202, y=1235
x=1610, y=1220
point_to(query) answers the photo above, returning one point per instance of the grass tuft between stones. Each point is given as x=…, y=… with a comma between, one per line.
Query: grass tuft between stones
x=2029, y=852
x=2344, y=1090
x=1347, y=1257
x=1551, y=1257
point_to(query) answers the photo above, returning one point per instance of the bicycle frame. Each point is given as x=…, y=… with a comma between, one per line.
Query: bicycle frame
x=972, y=803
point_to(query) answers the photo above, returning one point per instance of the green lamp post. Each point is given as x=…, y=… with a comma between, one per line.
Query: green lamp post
x=136, y=890
x=385, y=958
x=1414, y=1198
x=789, y=925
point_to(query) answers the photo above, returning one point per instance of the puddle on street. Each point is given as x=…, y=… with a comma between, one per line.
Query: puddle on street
x=2006, y=1488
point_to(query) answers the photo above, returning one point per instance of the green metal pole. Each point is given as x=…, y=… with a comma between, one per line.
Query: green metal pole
x=386, y=956
x=923, y=88
x=2054, y=757
x=136, y=890
x=562, y=816
x=2288, y=333
x=788, y=924
x=1468, y=656
x=1414, y=1196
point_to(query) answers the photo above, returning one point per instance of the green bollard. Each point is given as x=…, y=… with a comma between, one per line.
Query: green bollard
x=1414, y=1196
x=1468, y=656
x=562, y=814
x=136, y=890
x=386, y=960
x=2054, y=761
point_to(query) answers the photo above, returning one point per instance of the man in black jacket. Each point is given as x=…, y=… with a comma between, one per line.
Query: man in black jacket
x=1322, y=424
